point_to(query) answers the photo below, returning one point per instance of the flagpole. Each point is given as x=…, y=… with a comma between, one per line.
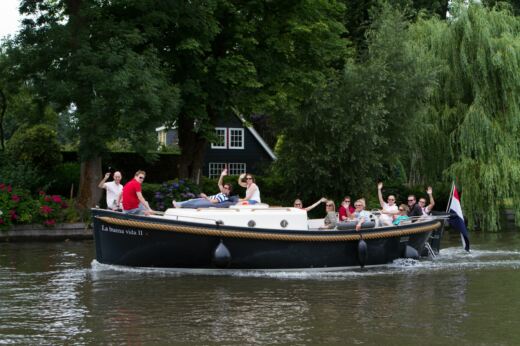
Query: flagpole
x=451, y=196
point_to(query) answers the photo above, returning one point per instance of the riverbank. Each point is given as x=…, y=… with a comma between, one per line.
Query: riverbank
x=73, y=231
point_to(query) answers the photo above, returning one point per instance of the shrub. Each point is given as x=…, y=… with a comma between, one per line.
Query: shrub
x=50, y=209
x=16, y=206
x=36, y=146
x=63, y=177
x=169, y=191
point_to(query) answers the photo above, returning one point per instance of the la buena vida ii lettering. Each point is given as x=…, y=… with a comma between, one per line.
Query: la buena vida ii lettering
x=106, y=228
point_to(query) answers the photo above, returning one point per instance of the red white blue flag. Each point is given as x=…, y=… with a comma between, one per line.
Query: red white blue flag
x=456, y=219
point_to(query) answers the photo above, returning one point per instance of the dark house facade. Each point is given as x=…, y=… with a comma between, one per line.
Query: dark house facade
x=239, y=148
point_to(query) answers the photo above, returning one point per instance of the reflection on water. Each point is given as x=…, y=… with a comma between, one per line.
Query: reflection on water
x=54, y=293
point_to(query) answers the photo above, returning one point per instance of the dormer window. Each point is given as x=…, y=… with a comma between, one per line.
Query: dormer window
x=236, y=138
x=221, y=142
x=228, y=138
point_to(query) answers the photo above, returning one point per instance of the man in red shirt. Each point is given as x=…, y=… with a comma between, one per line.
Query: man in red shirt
x=133, y=200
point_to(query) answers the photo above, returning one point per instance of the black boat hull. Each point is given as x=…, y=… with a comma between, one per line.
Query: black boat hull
x=153, y=242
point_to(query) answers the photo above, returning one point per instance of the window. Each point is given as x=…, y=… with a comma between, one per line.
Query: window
x=215, y=168
x=221, y=142
x=234, y=168
x=236, y=138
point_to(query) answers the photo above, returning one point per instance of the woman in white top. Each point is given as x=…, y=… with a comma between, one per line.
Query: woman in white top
x=388, y=210
x=252, y=191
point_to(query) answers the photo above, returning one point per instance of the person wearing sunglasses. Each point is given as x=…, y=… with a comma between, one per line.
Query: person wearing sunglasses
x=402, y=216
x=299, y=204
x=330, y=220
x=247, y=181
x=205, y=201
x=388, y=209
x=133, y=200
x=414, y=208
x=345, y=206
x=427, y=209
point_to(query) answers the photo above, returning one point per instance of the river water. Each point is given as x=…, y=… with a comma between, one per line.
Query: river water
x=55, y=293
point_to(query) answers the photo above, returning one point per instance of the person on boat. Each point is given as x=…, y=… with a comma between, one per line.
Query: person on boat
x=114, y=189
x=388, y=209
x=252, y=191
x=346, y=204
x=133, y=200
x=414, y=208
x=402, y=216
x=298, y=204
x=205, y=201
x=330, y=220
x=427, y=209
x=360, y=215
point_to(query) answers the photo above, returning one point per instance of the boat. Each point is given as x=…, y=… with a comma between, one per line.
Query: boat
x=252, y=237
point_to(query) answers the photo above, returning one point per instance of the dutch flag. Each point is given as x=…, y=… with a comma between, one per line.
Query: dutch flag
x=456, y=219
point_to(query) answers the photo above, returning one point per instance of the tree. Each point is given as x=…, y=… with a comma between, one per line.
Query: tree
x=258, y=56
x=87, y=59
x=363, y=121
x=476, y=105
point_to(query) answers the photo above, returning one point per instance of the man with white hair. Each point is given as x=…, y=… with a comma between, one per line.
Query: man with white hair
x=114, y=189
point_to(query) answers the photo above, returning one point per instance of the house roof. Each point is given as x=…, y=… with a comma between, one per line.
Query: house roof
x=251, y=129
x=257, y=137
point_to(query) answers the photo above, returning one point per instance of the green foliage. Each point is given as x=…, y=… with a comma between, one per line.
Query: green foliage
x=16, y=206
x=35, y=146
x=64, y=179
x=351, y=131
x=50, y=209
x=21, y=174
x=476, y=107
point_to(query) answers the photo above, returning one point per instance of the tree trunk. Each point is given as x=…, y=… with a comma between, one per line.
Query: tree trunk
x=89, y=193
x=193, y=148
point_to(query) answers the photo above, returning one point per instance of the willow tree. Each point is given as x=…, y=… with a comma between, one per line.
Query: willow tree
x=476, y=106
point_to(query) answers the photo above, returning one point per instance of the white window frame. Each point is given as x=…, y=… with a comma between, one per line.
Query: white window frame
x=224, y=146
x=230, y=136
x=215, y=168
x=236, y=168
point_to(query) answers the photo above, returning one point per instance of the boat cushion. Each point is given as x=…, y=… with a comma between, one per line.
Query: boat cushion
x=346, y=225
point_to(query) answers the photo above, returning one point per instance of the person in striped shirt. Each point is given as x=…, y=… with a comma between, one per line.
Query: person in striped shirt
x=205, y=201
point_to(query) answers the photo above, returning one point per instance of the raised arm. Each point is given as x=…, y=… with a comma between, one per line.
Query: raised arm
x=309, y=208
x=221, y=181
x=240, y=180
x=101, y=184
x=380, y=194
x=429, y=191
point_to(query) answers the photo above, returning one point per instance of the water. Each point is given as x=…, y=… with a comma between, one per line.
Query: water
x=54, y=293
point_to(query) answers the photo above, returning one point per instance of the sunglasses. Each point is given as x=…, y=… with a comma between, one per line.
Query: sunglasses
x=140, y=178
x=249, y=178
x=411, y=200
x=330, y=205
x=391, y=199
x=295, y=204
x=358, y=205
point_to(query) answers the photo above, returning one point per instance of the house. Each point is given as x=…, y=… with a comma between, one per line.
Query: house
x=238, y=147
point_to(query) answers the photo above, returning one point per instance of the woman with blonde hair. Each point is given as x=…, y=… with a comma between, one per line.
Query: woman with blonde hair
x=330, y=220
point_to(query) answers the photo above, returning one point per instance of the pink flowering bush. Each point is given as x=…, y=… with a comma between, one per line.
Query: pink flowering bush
x=51, y=208
x=18, y=207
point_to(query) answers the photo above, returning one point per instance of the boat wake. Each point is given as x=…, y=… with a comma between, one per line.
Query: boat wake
x=450, y=259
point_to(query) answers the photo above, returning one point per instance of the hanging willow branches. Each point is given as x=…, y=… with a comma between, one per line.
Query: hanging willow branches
x=476, y=107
